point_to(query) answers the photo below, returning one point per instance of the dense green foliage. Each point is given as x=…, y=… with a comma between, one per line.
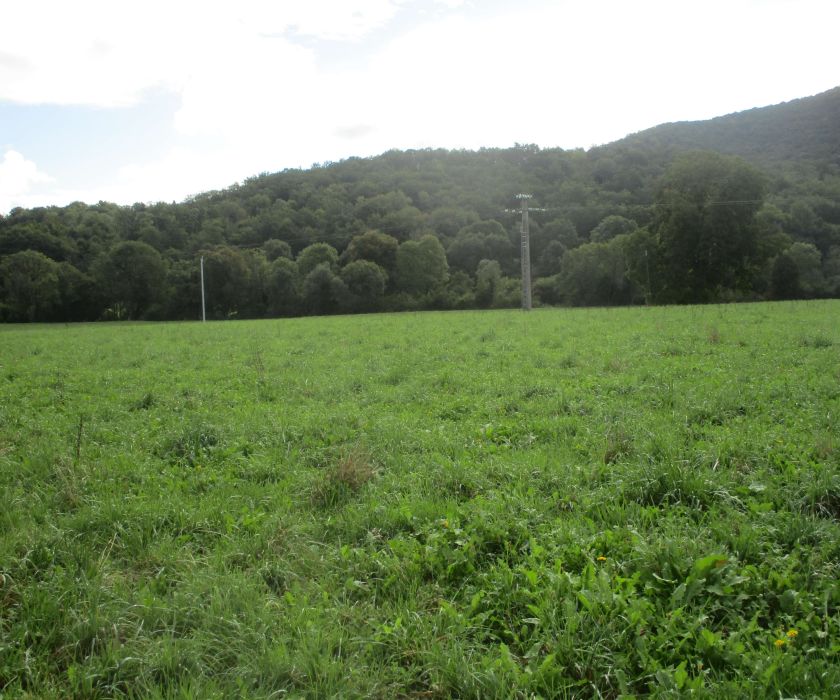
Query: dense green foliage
x=569, y=503
x=641, y=220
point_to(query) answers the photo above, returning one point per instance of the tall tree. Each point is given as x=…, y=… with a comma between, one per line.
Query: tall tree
x=283, y=287
x=313, y=255
x=131, y=275
x=483, y=240
x=596, y=274
x=808, y=260
x=376, y=247
x=29, y=286
x=324, y=292
x=610, y=227
x=365, y=282
x=77, y=295
x=226, y=281
x=488, y=280
x=705, y=219
x=274, y=249
x=784, y=278
x=421, y=265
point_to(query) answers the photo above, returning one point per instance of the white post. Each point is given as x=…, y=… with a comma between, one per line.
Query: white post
x=203, y=315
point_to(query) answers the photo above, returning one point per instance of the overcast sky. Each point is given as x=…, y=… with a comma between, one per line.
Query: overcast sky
x=148, y=101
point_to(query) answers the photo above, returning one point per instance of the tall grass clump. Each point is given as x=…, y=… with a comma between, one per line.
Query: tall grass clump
x=344, y=478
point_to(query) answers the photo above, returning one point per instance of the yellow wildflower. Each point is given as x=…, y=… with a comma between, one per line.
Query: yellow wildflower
x=779, y=643
x=791, y=633
x=602, y=558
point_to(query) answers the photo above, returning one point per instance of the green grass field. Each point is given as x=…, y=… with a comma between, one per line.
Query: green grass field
x=566, y=503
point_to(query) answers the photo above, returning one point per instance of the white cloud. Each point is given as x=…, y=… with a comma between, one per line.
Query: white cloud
x=333, y=20
x=18, y=176
x=575, y=73
x=268, y=87
x=104, y=53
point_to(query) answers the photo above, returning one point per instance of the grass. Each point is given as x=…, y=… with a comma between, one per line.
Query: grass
x=569, y=503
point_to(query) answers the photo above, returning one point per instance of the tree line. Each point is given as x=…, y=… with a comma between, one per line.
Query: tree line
x=437, y=230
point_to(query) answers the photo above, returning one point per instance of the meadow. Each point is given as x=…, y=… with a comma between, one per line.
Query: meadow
x=593, y=503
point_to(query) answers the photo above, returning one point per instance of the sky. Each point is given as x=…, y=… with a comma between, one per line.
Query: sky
x=128, y=101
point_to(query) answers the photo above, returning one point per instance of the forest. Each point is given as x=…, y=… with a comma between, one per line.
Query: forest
x=743, y=207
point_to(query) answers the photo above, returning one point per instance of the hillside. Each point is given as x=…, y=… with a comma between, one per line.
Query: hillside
x=806, y=129
x=597, y=236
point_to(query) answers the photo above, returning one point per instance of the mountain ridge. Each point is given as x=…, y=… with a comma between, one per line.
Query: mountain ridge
x=765, y=135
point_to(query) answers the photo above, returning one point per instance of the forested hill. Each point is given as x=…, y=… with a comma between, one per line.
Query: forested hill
x=806, y=129
x=646, y=219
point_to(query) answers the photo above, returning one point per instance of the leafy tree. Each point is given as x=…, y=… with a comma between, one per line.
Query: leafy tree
x=229, y=211
x=641, y=262
x=447, y=221
x=488, y=280
x=365, y=282
x=274, y=249
x=258, y=203
x=392, y=212
x=246, y=234
x=484, y=240
x=459, y=292
x=421, y=265
x=546, y=290
x=831, y=271
x=29, y=286
x=257, y=281
x=375, y=246
x=772, y=239
x=402, y=224
x=184, y=284
x=372, y=199
x=559, y=230
x=77, y=295
x=508, y=293
x=808, y=261
x=804, y=224
x=132, y=274
x=550, y=262
x=372, y=209
x=93, y=231
x=610, y=227
x=283, y=287
x=33, y=236
x=314, y=255
x=784, y=279
x=705, y=222
x=276, y=222
x=149, y=233
x=324, y=292
x=595, y=274
x=227, y=282
x=212, y=233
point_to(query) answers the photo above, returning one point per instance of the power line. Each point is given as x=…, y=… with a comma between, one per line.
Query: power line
x=735, y=201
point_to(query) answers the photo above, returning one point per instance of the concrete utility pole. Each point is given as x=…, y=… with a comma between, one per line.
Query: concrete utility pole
x=203, y=315
x=525, y=254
